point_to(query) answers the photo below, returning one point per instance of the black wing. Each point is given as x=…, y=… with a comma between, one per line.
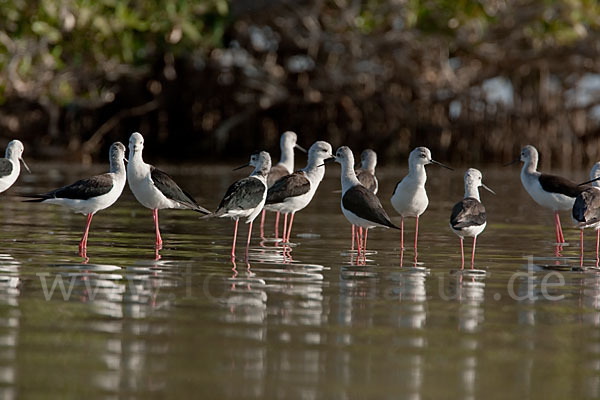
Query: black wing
x=367, y=179
x=292, y=185
x=586, y=209
x=467, y=212
x=276, y=173
x=171, y=190
x=558, y=184
x=244, y=194
x=364, y=204
x=83, y=189
x=6, y=167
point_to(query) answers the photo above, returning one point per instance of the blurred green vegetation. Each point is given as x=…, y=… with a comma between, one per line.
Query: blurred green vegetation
x=77, y=74
x=69, y=49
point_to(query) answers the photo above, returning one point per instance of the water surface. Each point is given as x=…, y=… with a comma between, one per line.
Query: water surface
x=318, y=326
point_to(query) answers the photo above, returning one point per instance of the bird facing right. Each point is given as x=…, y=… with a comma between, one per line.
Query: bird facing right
x=468, y=217
x=410, y=198
x=9, y=165
x=586, y=210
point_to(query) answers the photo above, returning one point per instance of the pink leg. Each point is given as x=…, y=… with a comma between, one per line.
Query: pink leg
x=365, y=241
x=473, y=254
x=234, y=239
x=262, y=223
x=158, y=238
x=556, y=228
x=401, y=257
x=360, y=234
x=83, y=243
x=597, y=245
x=248, y=241
x=358, y=242
x=352, y=238
x=277, y=225
x=581, y=258
x=402, y=233
x=462, y=254
x=559, y=233
x=289, y=233
x=416, y=235
x=284, y=226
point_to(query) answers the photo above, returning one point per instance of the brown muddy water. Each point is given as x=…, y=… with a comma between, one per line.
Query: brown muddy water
x=194, y=325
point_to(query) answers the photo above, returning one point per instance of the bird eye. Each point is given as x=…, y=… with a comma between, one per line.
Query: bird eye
x=423, y=156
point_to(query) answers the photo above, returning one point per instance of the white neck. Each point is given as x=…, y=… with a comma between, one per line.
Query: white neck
x=471, y=190
x=136, y=164
x=261, y=172
x=530, y=167
x=349, y=179
x=287, y=157
x=416, y=172
x=314, y=172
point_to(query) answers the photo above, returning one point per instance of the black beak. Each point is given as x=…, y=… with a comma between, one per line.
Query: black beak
x=440, y=164
x=487, y=188
x=512, y=162
x=585, y=183
x=302, y=149
x=241, y=166
x=328, y=161
x=25, y=165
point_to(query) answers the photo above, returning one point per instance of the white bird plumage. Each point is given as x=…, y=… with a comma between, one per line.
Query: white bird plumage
x=10, y=165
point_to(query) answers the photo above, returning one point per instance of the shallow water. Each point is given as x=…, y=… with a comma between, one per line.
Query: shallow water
x=319, y=327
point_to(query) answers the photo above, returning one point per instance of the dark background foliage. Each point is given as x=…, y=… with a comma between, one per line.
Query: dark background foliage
x=472, y=80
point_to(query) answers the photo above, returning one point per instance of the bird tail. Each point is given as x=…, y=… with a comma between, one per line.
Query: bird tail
x=216, y=214
x=201, y=210
x=34, y=198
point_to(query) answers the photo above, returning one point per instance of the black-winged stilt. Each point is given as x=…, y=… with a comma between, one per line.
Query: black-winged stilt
x=10, y=168
x=246, y=197
x=360, y=206
x=88, y=196
x=468, y=217
x=293, y=192
x=153, y=188
x=410, y=198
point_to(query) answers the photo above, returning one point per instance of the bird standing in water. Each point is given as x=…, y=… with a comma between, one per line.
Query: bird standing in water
x=550, y=191
x=88, y=196
x=155, y=189
x=10, y=168
x=586, y=209
x=285, y=166
x=246, y=197
x=410, y=197
x=360, y=206
x=468, y=218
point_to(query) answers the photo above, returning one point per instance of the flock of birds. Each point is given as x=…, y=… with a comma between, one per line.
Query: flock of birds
x=281, y=190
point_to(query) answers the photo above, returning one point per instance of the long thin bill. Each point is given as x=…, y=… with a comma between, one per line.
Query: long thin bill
x=585, y=183
x=25, y=165
x=441, y=165
x=242, y=166
x=302, y=149
x=488, y=189
x=512, y=162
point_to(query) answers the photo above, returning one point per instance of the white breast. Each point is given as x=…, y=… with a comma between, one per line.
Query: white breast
x=409, y=200
x=8, y=180
x=142, y=187
x=470, y=231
